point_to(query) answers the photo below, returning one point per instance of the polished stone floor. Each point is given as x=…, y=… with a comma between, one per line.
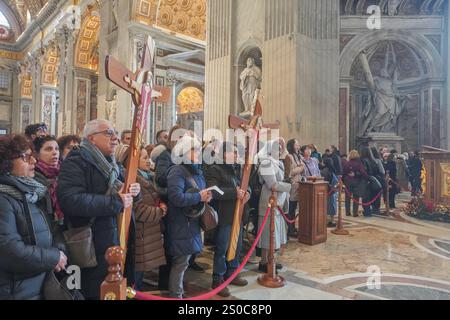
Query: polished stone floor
x=384, y=257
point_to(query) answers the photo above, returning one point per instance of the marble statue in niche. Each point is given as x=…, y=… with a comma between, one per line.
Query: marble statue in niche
x=251, y=79
x=386, y=104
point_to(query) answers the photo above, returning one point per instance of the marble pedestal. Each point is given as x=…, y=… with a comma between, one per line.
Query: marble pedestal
x=380, y=140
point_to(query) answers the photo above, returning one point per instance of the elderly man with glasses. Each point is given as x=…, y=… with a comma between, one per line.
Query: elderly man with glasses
x=90, y=192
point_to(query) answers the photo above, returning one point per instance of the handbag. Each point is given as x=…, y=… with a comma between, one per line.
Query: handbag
x=55, y=290
x=209, y=219
x=374, y=185
x=80, y=245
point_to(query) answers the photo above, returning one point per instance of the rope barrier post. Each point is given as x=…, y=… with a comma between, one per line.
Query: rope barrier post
x=115, y=285
x=271, y=279
x=386, y=201
x=340, y=225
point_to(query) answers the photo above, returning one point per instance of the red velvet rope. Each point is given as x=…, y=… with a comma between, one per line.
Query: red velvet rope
x=206, y=296
x=362, y=203
x=286, y=217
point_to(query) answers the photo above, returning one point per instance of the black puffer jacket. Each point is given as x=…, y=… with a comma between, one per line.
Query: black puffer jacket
x=26, y=252
x=81, y=195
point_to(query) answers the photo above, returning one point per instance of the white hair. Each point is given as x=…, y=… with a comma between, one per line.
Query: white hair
x=93, y=126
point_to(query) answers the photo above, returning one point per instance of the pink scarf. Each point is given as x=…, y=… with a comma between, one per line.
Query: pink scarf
x=51, y=173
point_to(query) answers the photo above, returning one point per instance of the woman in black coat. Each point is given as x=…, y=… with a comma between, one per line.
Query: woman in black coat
x=391, y=169
x=26, y=250
x=373, y=170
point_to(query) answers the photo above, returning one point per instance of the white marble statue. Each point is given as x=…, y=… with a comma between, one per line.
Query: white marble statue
x=251, y=79
x=385, y=104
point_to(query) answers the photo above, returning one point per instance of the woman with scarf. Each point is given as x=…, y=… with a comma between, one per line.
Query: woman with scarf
x=271, y=173
x=295, y=168
x=148, y=215
x=26, y=249
x=47, y=170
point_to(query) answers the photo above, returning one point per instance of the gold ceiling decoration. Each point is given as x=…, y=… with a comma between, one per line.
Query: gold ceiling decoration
x=26, y=84
x=86, y=53
x=49, y=67
x=34, y=6
x=190, y=100
x=187, y=17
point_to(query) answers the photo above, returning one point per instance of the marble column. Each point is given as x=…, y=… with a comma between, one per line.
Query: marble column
x=173, y=82
x=104, y=48
x=15, y=110
x=447, y=95
x=66, y=42
x=35, y=61
x=124, y=51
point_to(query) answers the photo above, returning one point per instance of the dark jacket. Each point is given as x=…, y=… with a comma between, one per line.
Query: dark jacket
x=82, y=195
x=56, y=228
x=226, y=177
x=163, y=163
x=26, y=252
x=355, y=177
x=183, y=233
x=149, y=240
x=415, y=166
x=337, y=162
x=391, y=167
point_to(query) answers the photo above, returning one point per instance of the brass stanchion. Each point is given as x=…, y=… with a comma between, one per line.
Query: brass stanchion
x=271, y=279
x=340, y=225
x=386, y=201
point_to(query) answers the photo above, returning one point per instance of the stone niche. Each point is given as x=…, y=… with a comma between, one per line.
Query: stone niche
x=250, y=52
x=413, y=112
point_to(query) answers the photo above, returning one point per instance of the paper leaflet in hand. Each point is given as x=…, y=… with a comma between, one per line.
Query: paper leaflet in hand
x=217, y=189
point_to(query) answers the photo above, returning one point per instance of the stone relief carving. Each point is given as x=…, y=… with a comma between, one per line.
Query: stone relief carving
x=385, y=105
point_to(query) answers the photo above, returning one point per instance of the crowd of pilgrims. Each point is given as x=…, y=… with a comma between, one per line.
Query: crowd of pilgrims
x=50, y=185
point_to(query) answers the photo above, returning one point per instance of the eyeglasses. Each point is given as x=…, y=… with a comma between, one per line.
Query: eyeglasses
x=26, y=157
x=108, y=133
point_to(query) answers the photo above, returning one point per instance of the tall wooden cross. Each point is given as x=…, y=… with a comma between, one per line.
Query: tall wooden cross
x=252, y=127
x=140, y=85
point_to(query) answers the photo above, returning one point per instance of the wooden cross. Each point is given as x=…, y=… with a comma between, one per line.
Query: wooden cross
x=140, y=85
x=252, y=127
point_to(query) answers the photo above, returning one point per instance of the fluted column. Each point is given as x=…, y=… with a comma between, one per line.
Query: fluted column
x=65, y=41
x=36, y=61
x=15, y=110
x=173, y=82
x=104, y=48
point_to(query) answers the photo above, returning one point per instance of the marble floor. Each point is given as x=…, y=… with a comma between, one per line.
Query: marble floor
x=384, y=257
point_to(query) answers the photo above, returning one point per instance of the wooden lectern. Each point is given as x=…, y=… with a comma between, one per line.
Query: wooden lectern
x=313, y=211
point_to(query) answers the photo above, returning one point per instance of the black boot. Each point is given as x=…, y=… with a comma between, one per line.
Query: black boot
x=217, y=282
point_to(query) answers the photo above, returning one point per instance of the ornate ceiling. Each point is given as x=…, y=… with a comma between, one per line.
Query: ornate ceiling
x=49, y=67
x=187, y=17
x=17, y=12
x=87, y=45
